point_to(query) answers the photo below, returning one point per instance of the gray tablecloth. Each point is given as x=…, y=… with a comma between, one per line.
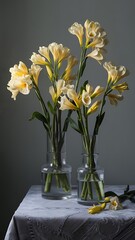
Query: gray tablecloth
x=41, y=219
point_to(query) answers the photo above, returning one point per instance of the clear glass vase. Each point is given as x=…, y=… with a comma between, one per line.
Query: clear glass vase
x=56, y=174
x=90, y=182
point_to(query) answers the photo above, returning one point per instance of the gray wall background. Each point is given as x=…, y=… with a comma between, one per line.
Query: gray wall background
x=26, y=25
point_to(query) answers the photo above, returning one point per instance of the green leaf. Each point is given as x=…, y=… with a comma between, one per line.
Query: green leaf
x=80, y=126
x=127, y=189
x=51, y=108
x=110, y=193
x=65, y=127
x=83, y=67
x=41, y=118
x=74, y=125
x=38, y=116
x=83, y=87
x=100, y=118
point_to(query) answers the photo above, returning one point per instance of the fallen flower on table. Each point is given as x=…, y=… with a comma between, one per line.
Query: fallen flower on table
x=114, y=204
x=97, y=208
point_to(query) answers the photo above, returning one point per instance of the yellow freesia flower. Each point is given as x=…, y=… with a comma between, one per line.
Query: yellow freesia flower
x=72, y=61
x=121, y=87
x=97, y=42
x=20, y=80
x=19, y=70
x=67, y=76
x=21, y=84
x=35, y=71
x=97, y=208
x=49, y=71
x=95, y=35
x=115, y=204
x=44, y=51
x=88, y=34
x=114, y=98
x=94, y=107
x=96, y=54
x=89, y=94
x=55, y=93
x=66, y=104
x=98, y=90
x=38, y=59
x=66, y=88
x=86, y=98
x=58, y=52
x=72, y=94
x=77, y=29
x=89, y=89
x=114, y=73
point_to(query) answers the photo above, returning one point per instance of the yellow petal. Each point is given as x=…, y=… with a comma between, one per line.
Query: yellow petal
x=66, y=104
x=53, y=93
x=35, y=71
x=77, y=29
x=71, y=93
x=114, y=98
x=59, y=52
x=96, y=54
x=98, y=90
x=121, y=87
x=94, y=107
x=37, y=59
x=86, y=99
x=97, y=208
x=44, y=51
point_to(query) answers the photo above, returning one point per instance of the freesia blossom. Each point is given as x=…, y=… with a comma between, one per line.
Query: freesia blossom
x=115, y=204
x=19, y=84
x=35, y=71
x=94, y=107
x=95, y=34
x=121, y=87
x=55, y=93
x=20, y=80
x=49, y=71
x=86, y=99
x=114, y=73
x=68, y=77
x=19, y=70
x=114, y=98
x=89, y=94
x=67, y=87
x=44, y=51
x=58, y=51
x=89, y=88
x=98, y=90
x=71, y=62
x=97, y=208
x=38, y=59
x=77, y=29
x=66, y=104
x=96, y=54
x=72, y=94
x=97, y=42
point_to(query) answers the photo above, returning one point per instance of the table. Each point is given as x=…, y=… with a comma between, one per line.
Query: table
x=40, y=219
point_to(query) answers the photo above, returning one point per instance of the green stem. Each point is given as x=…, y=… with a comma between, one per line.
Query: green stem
x=99, y=119
x=82, y=65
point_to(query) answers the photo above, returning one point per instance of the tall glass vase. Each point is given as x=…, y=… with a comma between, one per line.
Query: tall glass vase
x=56, y=174
x=90, y=179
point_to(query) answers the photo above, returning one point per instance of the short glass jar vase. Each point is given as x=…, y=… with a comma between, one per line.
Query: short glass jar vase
x=90, y=181
x=56, y=174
